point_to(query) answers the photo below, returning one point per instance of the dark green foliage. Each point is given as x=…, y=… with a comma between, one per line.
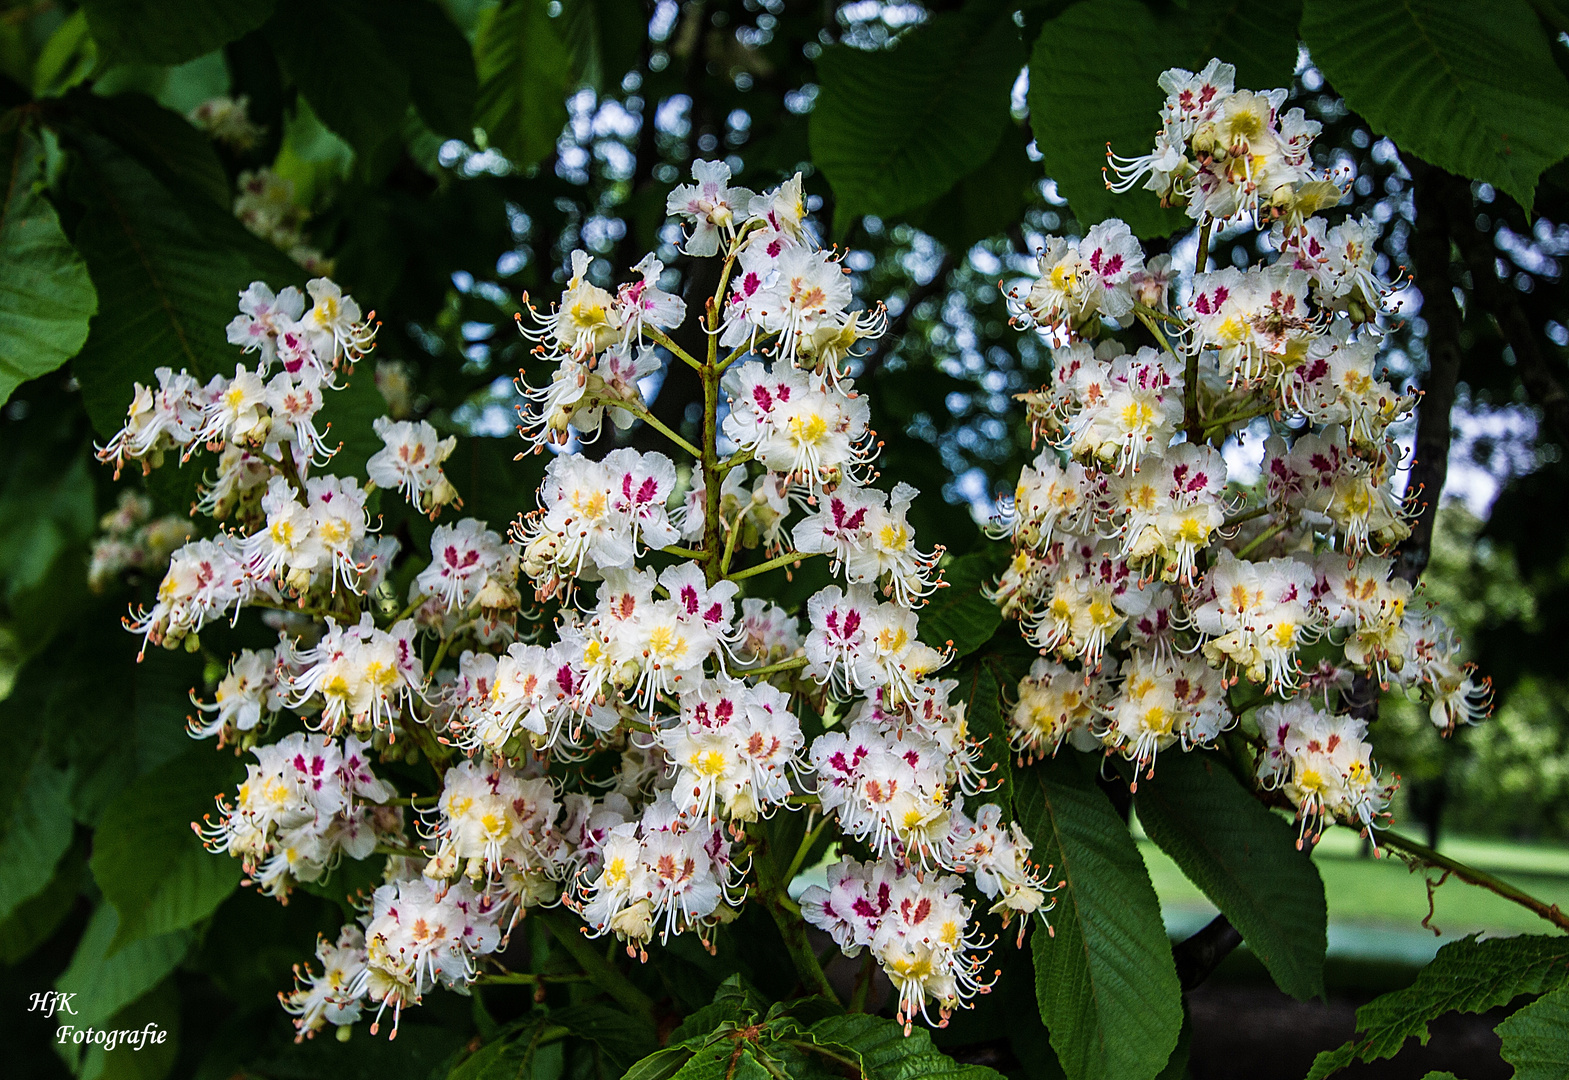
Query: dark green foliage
x=1465, y=976
x=1105, y=980
x=1245, y=859
x=1474, y=90
x=896, y=129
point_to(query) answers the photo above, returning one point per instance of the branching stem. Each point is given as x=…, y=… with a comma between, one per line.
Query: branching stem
x=1422, y=853
x=772, y=564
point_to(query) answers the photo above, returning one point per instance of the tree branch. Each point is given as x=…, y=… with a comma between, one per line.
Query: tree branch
x=1198, y=956
x=1542, y=382
x=1431, y=254
x=1425, y=854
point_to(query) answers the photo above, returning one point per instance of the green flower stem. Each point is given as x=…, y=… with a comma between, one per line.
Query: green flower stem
x=783, y=665
x=742, y=350
x=740, y=457
x=1246, y=515
x=1423, y=853
x=806, y=846
x=1267, y=534
x=683, y=553
x=713, y=544
x=599, y=971
x=772, y=564
x=1160, y=336
x=1221, y=423
x=662, y=338
x=659, y=425
x=735, y=532
x=441, y=654
x=1192, y=422
x=787, y=916
x=863, y=984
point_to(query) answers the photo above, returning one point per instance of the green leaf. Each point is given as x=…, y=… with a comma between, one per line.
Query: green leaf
x=105, y=984
x=660, y=1065
x=46, y=297
x=178, y=153
x=981, y=690
x=987, y=201
x=68, y=57
x=336, y=56
x=165, y=292
x=524, y=73
x=442, y=82
x=1092, y=81
x=36, y=828
x=510, y=1056
x=1466, y=976
x=149, y=862
x=36, y=832
x=1246, y=861
x=172, y=31
x=35, y=920
x=156, y=1056
x=1536, y=1039
x=606, y=38
x=886, y=1053
x=1471, y=88
x=961, y=613
x=1106, y=984
x=895, y=128
x=724, y=1060
x=415, y=1055
x=620, y=1036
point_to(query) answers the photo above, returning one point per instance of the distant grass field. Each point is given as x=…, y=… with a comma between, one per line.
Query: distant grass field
x=1376, y=906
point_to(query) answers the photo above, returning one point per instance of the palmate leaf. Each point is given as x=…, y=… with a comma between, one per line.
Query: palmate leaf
x=894, y=129
x=1093, y=80
x=524, y=71
x=605, y=37
x=1245, y=860
x=46, y=296
x=886, y=1053
x=1106, y=983
x=147, y=860
x=1466, y=976
x=105, y=984
x=165, y=293
x=171, y=31
x=35, y=829
x=35, y=803
x=1536, y=1039
x=442, y=81
x=34, y=921
x=1471, y=88
x=961, y=613
x=335, y=54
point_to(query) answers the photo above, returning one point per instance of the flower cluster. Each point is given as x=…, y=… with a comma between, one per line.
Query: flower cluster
x=1150, y=580
x=1224, y=153
x=416, y=935
x=647, y=650
x=918, y=927
x=302, y=806
x=265, y=202
x=228, y=121
x=131, y=540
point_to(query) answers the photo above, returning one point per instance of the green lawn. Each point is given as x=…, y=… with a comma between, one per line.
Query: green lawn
x=1376, y=906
